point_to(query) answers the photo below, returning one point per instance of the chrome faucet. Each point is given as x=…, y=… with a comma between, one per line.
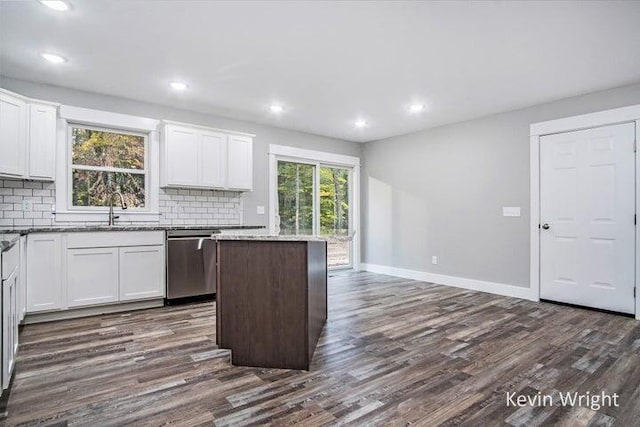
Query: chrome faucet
x=113, y=217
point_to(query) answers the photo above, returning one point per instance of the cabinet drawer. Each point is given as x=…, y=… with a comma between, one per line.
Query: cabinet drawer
x=10, y=260
x=109, y=239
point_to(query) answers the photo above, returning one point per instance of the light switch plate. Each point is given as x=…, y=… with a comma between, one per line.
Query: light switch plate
x=511, y=211
x=434, y=259
x=260, y=210
x=27, y=206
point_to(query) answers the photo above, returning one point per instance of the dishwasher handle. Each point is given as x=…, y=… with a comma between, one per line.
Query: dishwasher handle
x=191, y=238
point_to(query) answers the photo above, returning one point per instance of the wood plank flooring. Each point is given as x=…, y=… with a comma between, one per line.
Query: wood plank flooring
x=394, y=352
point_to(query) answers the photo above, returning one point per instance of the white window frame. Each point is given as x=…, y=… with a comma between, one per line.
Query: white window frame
x=318, y=158
x=113, y=122
x=569, y=124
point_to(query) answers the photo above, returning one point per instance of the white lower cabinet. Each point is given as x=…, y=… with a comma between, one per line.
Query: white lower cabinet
x=142, y=272
x=9, y=327
x=44, y=272
x=10, y=277
x=78, y=270
x=22, y=280
x=92, y=276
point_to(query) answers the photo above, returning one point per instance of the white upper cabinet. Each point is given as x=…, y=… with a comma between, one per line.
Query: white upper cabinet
x=181, y=156
x=27, y=137
x=198, y=157
x=13, y=135
x=240, y=175
x=42, y=141
x=213, y=168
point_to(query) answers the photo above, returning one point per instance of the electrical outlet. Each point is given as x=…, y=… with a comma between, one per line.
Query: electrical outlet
x=511, y=211
x=434, y=259
x=260, y=210
x=27, y=206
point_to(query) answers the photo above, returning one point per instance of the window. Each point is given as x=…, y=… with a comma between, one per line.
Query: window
x=104, y=161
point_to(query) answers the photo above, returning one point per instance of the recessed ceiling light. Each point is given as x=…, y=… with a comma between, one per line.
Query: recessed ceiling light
x=178, y=85
x=360, y=123
x=275, y=108
x=53, y=58
x=415, y=108
x=58, y=5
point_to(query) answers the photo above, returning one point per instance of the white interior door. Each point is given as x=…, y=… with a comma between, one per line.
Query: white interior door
x=587, y=212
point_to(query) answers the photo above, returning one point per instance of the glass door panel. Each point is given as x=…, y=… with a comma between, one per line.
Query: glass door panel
x=334, y=214
x=295, y=198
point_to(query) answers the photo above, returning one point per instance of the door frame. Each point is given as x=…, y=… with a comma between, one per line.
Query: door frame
x=629, y=114
x=294, y=154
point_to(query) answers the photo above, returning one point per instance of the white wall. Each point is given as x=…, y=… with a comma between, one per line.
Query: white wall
x=441, y=192
x=265, y=135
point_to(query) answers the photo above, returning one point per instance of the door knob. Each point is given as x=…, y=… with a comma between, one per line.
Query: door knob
x=546, y=226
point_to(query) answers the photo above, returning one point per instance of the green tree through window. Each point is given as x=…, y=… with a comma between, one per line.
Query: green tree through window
x=103, y=162
x=334, y=201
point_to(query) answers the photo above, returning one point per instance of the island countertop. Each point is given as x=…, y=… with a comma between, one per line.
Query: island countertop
x=283, y=238
x=270, y=237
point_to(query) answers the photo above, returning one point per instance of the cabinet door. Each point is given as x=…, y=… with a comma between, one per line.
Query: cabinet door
x=9, y=328
x=240, y=165
x=44, y=273
x=213, y=159
x=92, y=276
x=13, y=135
x=181, y=156
x=42, y=141
x=142, y=272
x=22, y=280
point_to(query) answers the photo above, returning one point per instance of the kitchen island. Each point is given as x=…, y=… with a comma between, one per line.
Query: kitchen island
x=271, y=299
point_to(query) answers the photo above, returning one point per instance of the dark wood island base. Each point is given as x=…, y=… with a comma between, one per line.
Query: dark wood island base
x=271, y=300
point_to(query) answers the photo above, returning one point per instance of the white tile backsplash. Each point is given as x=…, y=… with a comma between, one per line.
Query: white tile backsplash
x=14, y=192
x=177, y=206
x=200, y=207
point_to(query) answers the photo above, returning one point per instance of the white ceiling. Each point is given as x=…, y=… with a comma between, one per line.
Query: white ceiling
x=329, y=63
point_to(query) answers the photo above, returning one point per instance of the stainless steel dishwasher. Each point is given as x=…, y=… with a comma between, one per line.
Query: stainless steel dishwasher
x=191, y=265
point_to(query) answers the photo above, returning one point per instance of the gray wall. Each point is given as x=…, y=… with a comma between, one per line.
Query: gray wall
x=441, y=192
x=265, y=135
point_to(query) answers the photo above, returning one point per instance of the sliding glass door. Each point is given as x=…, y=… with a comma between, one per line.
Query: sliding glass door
x=314, y=199
x=334, y=214
x=296, y=188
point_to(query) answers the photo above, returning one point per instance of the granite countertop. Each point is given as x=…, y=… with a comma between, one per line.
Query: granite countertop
x=7, y=240
x=95, y=228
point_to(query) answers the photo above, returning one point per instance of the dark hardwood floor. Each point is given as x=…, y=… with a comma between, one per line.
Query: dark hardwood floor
x=394, y=352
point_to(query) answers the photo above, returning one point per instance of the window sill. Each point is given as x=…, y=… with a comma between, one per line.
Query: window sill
x=84, y=216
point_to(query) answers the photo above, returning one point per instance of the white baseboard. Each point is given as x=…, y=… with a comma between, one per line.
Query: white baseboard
x=458, y=282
